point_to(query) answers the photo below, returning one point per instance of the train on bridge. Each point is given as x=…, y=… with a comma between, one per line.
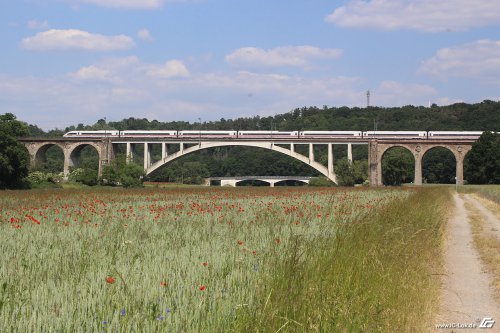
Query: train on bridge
x=194, y=134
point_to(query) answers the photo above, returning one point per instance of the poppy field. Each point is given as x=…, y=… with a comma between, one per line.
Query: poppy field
x=215, y=259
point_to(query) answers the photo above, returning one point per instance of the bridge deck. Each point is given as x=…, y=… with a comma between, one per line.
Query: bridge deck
x=193, y=140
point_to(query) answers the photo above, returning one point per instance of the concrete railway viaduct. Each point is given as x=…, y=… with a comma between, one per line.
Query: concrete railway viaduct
x=106, y=148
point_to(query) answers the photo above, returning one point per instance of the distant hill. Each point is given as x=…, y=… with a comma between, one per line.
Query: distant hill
x=459, y=116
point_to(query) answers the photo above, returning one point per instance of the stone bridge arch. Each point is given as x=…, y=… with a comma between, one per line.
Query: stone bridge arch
x=327, y=172
x=418, y=150
x=386, y=148
x=38, y=153
x=71, y=150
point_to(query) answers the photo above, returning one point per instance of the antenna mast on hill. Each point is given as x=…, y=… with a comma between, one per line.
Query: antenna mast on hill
x=368, y=99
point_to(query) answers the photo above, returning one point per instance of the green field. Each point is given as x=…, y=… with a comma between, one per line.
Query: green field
x=214, y=260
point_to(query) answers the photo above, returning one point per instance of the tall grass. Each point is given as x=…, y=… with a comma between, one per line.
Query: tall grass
x=376, y=274
x=491, y=192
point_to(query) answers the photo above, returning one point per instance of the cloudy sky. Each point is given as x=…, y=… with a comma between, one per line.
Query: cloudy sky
x=66, y=62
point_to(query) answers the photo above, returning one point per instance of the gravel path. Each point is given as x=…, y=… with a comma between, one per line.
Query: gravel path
x=466, y=296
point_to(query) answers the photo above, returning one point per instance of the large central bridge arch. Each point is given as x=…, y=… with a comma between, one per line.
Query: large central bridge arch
x=266, y=145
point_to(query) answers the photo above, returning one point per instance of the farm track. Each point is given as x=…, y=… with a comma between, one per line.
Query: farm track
x=466, y=295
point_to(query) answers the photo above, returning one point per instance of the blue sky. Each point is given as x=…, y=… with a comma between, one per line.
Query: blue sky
x=66, y=62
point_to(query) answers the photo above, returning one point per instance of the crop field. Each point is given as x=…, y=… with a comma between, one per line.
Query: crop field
x=217, y=259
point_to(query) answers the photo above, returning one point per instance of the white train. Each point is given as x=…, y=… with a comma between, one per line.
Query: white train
x=330, y=134
x=87, y=134
x=278, y=134
x=395, y=134
x=453, y=135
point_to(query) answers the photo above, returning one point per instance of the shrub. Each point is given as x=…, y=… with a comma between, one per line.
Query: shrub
x=321, y=182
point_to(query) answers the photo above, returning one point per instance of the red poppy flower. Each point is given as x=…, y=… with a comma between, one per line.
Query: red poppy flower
x=110, y=279
x=202, y=288
x=163, y=283
x=205, y=264
x=278, y=241
x=240, y=242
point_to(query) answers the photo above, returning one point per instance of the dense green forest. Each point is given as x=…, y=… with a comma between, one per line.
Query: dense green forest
x=438, y=164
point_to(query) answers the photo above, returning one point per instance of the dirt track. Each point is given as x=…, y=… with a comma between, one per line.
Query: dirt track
x=466, y=295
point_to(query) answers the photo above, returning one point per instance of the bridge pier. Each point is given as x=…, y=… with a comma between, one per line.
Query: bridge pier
x=330, y=161
x=164, y=152
x=147, y=155
x=129, y=153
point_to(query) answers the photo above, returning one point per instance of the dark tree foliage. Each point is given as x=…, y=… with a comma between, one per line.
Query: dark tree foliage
x=120, y=172
x=398, y=166
x=439, y=166
x=483, y=161
x=14, y=158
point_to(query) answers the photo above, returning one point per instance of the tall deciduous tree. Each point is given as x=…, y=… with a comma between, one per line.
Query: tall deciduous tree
x=483, y=161
x=14, y=158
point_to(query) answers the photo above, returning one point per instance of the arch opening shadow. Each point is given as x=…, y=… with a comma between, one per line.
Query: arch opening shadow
x=49, y=158
x=85, y=156
x=439, y=166
x=398, y=166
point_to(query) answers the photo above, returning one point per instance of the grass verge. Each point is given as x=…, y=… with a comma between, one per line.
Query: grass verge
x=487, y=244
x=490, y=192
x=379, y=274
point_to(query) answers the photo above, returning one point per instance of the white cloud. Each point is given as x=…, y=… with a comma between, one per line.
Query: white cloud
x=93, y=73
x=421, y=15
x=144, y=34
x=170, y=69
x=127, y=87
x=397, y=94
x=118, y=70
x=133, y=4
x=295, y=56
x=76, y=40
x=478, y=60
x=38, y=25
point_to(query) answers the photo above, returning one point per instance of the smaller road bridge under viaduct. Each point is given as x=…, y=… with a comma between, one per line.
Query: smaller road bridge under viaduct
x=271, y=180
x=106, y=148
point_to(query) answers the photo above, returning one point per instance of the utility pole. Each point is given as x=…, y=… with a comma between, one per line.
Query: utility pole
x=367, y=99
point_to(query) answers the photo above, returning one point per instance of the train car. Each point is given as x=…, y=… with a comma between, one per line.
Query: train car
x=91, y=134
x=395, y=134
x=207, y=134
x=330, y=134
x=455, y=135
x=155, y=134
x=267, y=134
